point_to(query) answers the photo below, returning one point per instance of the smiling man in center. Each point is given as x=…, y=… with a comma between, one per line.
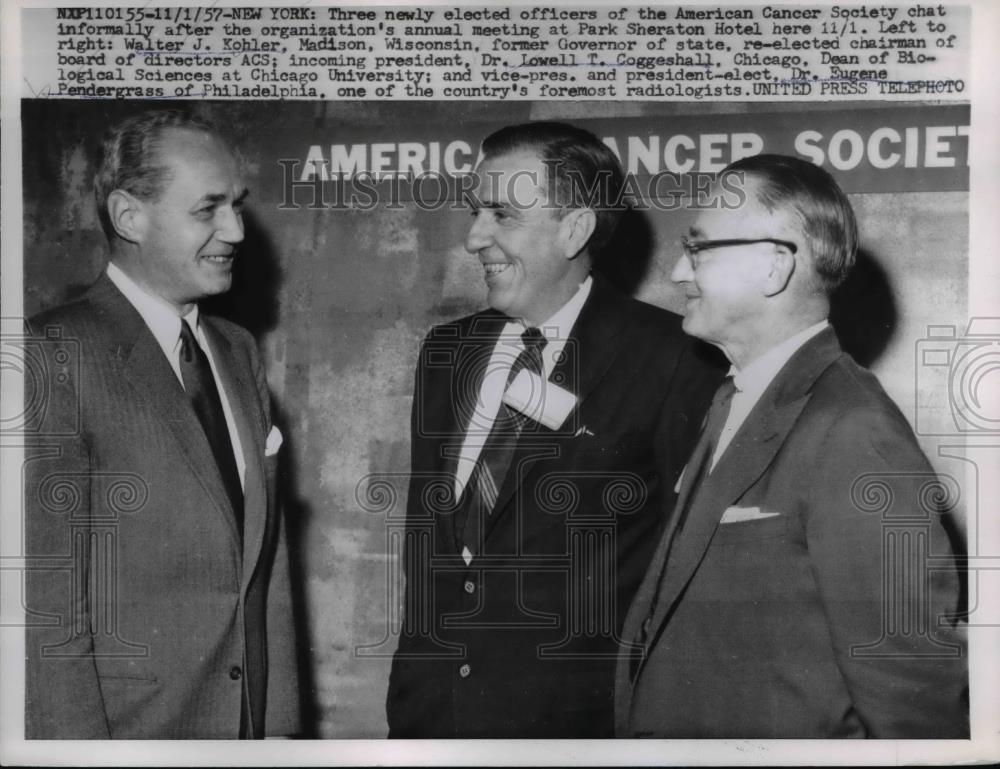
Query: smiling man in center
x=547, y=435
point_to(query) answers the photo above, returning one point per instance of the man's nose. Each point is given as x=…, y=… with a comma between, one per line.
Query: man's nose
x=480, y=234
x=682, y=272
x=230, y=226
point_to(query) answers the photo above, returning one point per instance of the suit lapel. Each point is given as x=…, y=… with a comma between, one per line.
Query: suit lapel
x=244, y=404
x=646, y=593
x=468, y=348
x=745, y=460
x=590, y=349
x=588, y=354
x=147, y=370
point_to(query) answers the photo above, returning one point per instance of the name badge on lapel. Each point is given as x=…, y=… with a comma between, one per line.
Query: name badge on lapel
x=539, y=400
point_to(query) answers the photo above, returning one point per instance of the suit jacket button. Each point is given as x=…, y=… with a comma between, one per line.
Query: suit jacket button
x=470, y=586
x=235, y=673
x=465, y=670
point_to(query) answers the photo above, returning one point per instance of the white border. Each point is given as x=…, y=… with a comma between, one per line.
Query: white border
x=984, y=298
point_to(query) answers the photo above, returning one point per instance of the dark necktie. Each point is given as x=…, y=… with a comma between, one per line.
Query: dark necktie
x=199, y=384
x=701, y=458
x=487, y=478
x=694, y=474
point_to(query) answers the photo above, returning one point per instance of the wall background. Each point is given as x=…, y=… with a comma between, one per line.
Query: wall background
x=340, y=299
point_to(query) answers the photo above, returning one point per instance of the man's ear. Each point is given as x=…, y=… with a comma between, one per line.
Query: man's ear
x=782, y=268
x=127, y=215
x=576, y=227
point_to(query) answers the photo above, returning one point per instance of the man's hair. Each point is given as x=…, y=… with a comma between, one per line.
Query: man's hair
x=582, y=171
x=822, y=208
x=130, y=157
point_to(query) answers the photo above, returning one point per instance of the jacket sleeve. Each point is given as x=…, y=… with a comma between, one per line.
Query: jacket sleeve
x=884, y=567
x=282, y=713
x=62, y=693
x=282, y=716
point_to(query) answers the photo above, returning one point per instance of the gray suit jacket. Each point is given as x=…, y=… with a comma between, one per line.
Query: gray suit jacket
x=146, y=618
x=829, y=610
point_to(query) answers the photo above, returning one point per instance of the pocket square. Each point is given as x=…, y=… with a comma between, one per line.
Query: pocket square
x=741, y=514
x=273, y=442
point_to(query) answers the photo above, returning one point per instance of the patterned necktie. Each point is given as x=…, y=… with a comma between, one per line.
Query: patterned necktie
x=487, y=478
x=199, y=384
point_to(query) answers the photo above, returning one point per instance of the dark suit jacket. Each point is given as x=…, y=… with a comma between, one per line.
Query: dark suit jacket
x=788, y=625
x=146, y=618
x=521, y=643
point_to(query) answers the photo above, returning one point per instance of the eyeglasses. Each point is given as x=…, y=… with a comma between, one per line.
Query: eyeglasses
x=694, y=247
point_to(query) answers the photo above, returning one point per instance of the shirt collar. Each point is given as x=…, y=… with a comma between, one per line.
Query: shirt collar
x=755, y=378
x=161, y=318
x=562, y=321
x=556, y=329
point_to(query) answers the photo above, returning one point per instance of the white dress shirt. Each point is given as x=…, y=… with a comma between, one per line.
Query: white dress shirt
x=754, y=379
x=165, y=325
x=556, y=330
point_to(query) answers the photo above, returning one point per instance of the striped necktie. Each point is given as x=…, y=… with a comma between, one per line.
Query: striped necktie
x=494, y=461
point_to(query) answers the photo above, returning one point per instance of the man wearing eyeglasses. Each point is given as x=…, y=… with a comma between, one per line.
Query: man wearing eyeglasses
x=791, y=594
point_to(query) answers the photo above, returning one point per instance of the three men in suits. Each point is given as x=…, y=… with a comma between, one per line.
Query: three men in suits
x=805, y=585
x=547, y=435
x=158, y=600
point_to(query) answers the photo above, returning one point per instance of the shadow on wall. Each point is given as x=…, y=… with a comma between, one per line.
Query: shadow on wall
x=865, y=315
x=864, y=312
x=252, y=302
x=626, y=259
